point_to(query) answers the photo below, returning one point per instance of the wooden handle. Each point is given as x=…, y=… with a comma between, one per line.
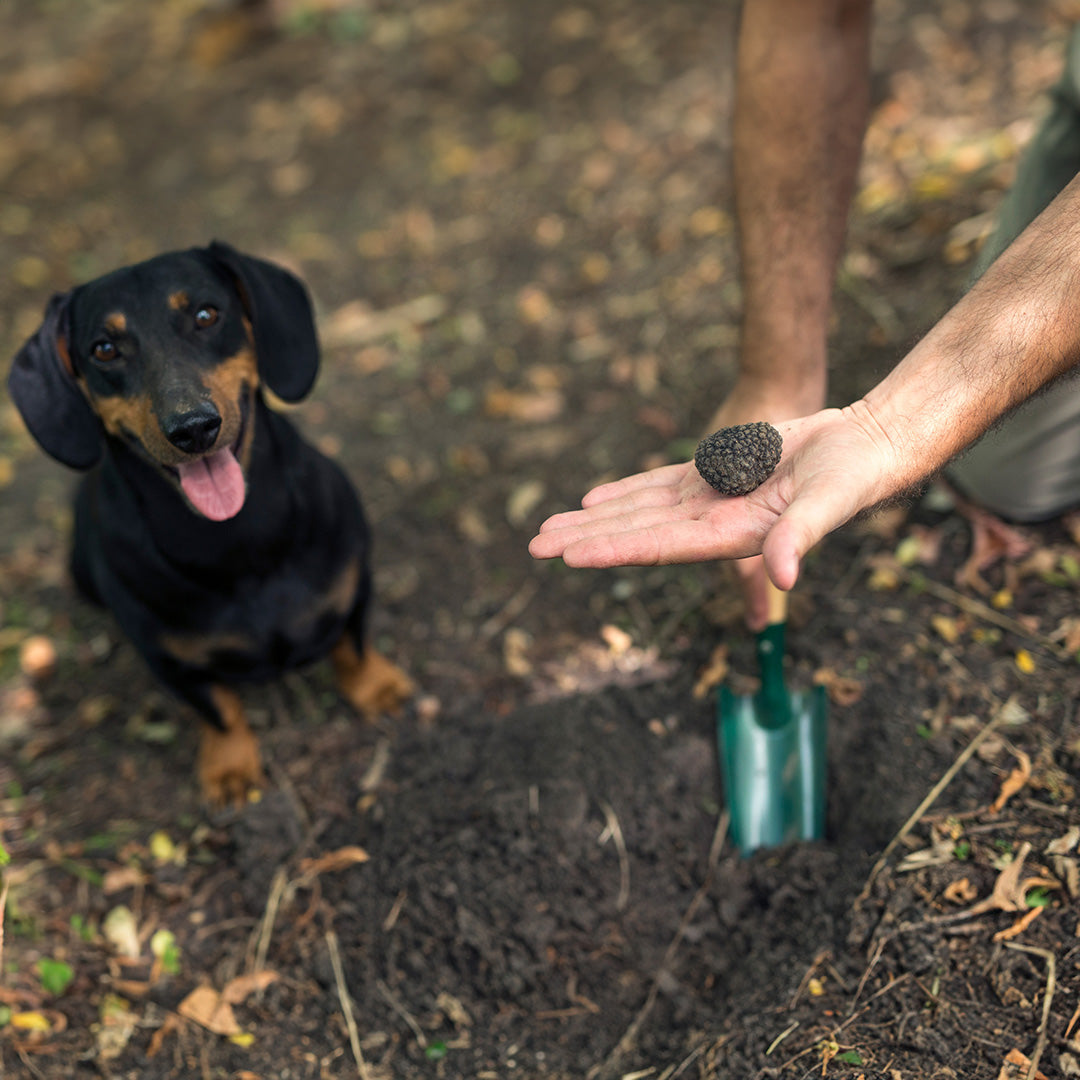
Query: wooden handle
x=778, y=603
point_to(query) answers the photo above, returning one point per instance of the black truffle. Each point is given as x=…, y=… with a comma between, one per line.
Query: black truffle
x=735, y=460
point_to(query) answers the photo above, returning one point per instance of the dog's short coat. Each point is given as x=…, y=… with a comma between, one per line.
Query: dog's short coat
x=227, y=547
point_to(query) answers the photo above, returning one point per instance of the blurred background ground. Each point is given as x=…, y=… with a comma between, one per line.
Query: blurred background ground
x=516, y=223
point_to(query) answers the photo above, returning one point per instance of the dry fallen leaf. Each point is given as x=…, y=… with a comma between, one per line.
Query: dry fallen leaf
x=523, y=500
x=842, y=690
x=616, y=639
x=1064, y=844
x=1016, y=1066
x=341, y=859
x=960, y=892
x=206, y=1007
x=526, y=406
x=713, y=674
x=121, y=932
x=947, y=627
x=118, y=1024
x=37, y=657
x=1013, y=783
x=243, y=986
x=516, y=645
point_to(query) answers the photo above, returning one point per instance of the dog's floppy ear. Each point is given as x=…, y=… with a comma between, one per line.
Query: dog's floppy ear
x=43, y=387
x=281, y=317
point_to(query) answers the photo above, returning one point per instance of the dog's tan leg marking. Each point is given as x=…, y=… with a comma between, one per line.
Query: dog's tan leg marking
x=229, y=763
x=368, y=681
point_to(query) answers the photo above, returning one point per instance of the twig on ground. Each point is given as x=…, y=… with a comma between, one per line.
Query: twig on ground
x=878, y=949
x=260, y=943
x=629, y=1037
x=888, y=988
x=614, y=831
x=673, y=1072
x=1072, y=1022
x=1051, y=985
x=979, y=610
x=395, y=910
x=782, y=1036
x=31, y=1067
x=388, y=996
x=932, y=796
x=510, y=611
x=346, y=1005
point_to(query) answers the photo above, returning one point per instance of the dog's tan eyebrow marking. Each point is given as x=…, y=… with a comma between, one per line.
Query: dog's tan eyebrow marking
x=115, y=323
x=178, y=301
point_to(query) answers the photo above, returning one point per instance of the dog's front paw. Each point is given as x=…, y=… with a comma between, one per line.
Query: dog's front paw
x=229, y=765
x=369, y=682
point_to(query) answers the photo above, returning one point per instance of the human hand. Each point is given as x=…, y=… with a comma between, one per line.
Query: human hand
x=773, y=399
x=835, y=463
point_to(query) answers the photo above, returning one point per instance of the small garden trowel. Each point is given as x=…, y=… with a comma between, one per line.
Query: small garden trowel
x=772, y=749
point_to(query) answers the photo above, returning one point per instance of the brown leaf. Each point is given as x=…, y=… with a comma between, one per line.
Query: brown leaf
x=204, y=1005
x=842, y=690
x=960, y=892
x=242, y=987
x=528, y=406
x=1013, y=782
x=1008, y=894
x=1016, y=1066
x=1064, y=844
x=713, y=673
x=341, y=859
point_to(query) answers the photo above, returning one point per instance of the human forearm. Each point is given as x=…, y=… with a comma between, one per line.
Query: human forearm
x=1014, y=332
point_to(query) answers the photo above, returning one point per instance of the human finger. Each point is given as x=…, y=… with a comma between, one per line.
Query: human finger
x=686, y=541
x=663, y=477
x=576, y=526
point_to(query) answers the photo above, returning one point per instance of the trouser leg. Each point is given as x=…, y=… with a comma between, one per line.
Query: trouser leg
x=1028, y=466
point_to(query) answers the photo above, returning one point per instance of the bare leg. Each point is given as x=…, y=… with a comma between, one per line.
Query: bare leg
x=229, y=763
x=802, y=99
x=368, y=681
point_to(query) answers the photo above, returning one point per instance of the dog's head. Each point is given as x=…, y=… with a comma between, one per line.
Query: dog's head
x=167, y=357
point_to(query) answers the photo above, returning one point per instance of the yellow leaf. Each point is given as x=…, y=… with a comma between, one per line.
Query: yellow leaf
x=243, y=1039
x=162, y=848
x=947, y=628
x=1025, y=661
x=816, y=987
x=30, y=1021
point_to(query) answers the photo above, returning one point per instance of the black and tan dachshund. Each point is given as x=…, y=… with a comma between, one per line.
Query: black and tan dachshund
x=228, y=548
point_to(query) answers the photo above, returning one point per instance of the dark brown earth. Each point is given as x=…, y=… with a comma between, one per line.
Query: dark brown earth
x=516, y=221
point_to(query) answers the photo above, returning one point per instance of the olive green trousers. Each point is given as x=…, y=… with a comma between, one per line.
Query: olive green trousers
x=1027, y=467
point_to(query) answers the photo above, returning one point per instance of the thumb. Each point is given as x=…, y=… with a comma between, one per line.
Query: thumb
x=805, y=522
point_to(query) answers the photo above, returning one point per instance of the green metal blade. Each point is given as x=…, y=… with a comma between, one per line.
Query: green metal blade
x=774, y=772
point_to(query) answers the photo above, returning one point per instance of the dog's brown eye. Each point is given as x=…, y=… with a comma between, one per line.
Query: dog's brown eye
x=206, y=316
x=104, y=350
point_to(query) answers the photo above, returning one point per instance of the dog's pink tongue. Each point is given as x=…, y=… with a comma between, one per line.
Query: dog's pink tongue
x=214, y=485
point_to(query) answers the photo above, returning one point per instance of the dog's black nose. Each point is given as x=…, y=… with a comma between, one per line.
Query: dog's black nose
x=195, y=430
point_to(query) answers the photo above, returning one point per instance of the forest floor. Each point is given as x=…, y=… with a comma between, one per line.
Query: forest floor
x=516, y=222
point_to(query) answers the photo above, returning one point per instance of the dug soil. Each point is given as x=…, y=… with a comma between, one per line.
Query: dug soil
x=516, y=220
